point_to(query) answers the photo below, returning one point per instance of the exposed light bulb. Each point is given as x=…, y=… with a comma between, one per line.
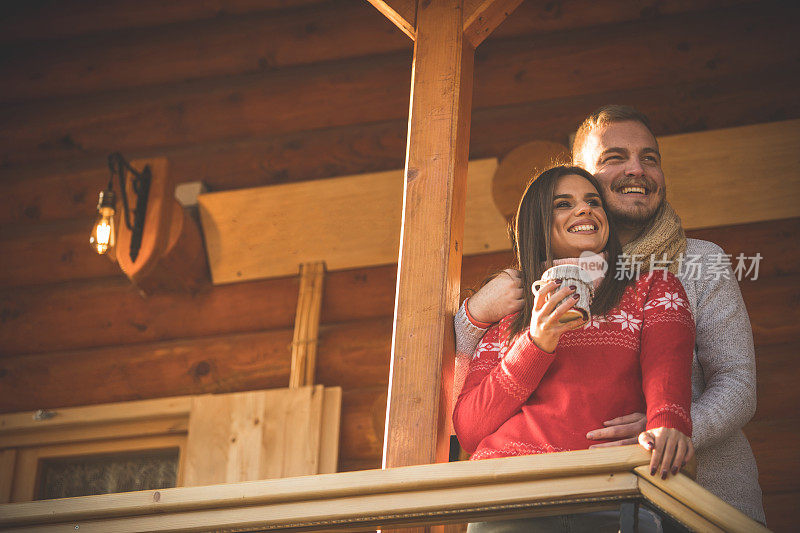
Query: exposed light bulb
x=104, y=232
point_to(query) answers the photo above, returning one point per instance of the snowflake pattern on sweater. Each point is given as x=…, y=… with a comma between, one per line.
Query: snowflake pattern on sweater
x=518, y=399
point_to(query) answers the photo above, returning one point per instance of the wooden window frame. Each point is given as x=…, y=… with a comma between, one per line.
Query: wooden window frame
x=26, y=439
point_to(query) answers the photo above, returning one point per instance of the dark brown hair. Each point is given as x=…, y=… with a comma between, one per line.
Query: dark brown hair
x=608, y=114
x=530, y=241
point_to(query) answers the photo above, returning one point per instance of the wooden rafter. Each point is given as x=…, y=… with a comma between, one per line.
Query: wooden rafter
x=403, y=13
x=483, y=16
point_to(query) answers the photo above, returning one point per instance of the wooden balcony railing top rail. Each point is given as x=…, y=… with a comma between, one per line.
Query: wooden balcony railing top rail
x=426, y=494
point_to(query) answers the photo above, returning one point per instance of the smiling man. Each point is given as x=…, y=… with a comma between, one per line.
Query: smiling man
x=624, y=157
x=617, y=145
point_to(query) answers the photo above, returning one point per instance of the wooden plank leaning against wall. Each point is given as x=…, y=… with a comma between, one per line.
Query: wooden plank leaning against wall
x=219, y=438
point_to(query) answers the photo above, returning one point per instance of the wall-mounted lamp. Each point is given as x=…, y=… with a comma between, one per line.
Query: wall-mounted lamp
x=104, y=232
x=103, y=236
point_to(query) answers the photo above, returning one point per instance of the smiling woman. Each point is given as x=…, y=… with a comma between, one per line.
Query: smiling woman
x=537, y=385
x=552, y=204
x=580, y=223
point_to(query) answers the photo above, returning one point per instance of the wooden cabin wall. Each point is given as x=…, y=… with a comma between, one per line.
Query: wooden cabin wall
x=242, y=93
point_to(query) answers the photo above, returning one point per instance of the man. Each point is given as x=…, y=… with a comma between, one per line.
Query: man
x=617, y=145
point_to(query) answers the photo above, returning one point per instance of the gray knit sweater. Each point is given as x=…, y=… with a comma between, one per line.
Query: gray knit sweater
x=723, y=379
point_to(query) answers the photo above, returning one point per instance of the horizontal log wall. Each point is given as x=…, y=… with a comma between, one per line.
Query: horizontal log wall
x=243, y=93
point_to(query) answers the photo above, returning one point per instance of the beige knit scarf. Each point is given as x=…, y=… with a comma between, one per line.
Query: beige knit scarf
x=662, y=240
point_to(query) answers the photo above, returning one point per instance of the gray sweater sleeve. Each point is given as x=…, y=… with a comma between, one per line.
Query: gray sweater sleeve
x=468, y=336
x=726, y=355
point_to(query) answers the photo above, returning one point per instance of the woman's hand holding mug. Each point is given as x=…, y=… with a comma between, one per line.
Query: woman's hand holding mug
x=546, y=328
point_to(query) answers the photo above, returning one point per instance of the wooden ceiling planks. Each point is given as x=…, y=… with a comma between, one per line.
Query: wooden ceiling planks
x=43, y=192
x=91, y=37
x=542, y=18
x=249, y=105
x=217, y=47
x=693, y=51
x=40, y=21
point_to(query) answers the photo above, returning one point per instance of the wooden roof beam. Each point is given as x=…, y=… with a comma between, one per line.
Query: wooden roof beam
x=482, y=17
x=403, y=13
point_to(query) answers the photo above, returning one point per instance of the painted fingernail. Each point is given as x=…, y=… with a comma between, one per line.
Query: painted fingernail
x=572, y=287
x=674, y=470
x=590, y=436
x=576, y=296
x=652, y=471
x=663, y=474
x=559, y=281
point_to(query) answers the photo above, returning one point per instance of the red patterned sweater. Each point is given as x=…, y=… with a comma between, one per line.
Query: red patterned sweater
x=519, y=400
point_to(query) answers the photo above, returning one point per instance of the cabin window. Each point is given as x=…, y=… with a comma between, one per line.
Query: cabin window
x=66, y=477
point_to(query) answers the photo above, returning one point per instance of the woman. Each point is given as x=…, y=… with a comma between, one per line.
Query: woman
x=537, y=385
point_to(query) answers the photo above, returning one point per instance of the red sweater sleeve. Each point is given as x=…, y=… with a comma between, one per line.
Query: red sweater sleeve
x=501, y=378
x=666, y=354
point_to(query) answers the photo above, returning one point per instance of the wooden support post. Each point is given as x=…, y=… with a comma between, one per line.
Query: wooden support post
x=306, y=325
x=429, y=264
x=418, y=423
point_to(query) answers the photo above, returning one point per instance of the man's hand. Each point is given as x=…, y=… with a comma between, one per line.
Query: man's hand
x=624, y=429
x=498, y=298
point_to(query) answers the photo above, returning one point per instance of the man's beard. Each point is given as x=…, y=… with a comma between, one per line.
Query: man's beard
x=636, y=216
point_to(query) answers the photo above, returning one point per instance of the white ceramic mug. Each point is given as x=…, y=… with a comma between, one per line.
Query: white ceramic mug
x=582, y=280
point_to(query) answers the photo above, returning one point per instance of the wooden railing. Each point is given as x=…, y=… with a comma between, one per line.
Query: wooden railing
x=545, y=484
